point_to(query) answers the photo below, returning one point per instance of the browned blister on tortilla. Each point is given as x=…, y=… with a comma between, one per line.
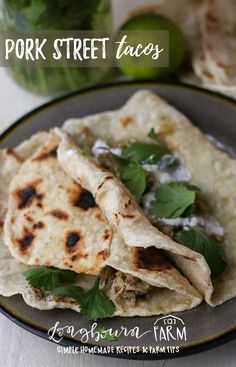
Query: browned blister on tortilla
x=55, y=219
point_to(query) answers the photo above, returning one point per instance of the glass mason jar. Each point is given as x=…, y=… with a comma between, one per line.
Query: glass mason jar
x=56, y=15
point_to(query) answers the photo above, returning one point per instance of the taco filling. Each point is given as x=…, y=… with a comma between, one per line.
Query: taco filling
x=162, y=185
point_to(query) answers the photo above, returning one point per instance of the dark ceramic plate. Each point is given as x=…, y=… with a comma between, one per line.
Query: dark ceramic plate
x=192, y=331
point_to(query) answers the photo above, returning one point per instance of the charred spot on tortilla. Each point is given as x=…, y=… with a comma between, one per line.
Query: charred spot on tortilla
x=64, y=300
x=104, y=254
x=125, y=121
x=11, y=152
x=212, y=23
x=73, y=258
x=28, y=218
x=26, y=241
x=105, y=179
x=38, y=293
x=59, y=214
x=189, y=258
x=167, y=127
x=26, y=195
x=72, y=240
x=101, y=217
x=118, y=215
x=38, y=225
x=85, y=200
x=207, y=74
x=13, y=219
x=150, y=258
x=106, y=234
x=52, y=153
x=108, y=178
x=117, y=219
x=127, y=204
x=128, y=216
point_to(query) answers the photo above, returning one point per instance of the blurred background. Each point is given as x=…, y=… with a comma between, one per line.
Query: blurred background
x=194, y=27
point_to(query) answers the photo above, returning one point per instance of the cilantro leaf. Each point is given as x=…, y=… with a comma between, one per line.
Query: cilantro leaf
x=134, y=178
x=132, y=175
x=121, y=162
x=172, y=200
x=106, y=334
x=93, y=303
x=48, y=278
x=152, y=135
x=207, y=246
x=145, y=152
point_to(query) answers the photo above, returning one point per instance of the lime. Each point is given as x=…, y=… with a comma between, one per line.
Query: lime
x=177, y=45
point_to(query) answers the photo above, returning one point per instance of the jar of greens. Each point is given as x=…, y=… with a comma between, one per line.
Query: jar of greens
x=56, y=15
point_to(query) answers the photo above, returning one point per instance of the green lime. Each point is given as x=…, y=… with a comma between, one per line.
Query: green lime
x=177, y=45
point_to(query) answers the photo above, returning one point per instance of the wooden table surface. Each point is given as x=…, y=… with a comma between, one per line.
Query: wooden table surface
x=22, y=349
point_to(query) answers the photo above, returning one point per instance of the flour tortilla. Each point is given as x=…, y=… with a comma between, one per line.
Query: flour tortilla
x=214, y=52
x=212, y=170
x=12, y=279
x=209, y=28
x=218, y=21
x=123, y=212
x=171, y=291
x=50, y=217
x=208, y=79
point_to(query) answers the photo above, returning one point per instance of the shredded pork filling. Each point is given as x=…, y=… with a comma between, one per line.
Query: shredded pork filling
x=123, y=289
x=126, y=288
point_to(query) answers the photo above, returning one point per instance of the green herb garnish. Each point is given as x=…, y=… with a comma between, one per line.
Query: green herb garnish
x=213, y=252
x=152, y=135
x=172, y=200
x=48, y=278
x=93, y=303
x=134, y=179
x=145, y=153
x=129, y=165
x=132, y=175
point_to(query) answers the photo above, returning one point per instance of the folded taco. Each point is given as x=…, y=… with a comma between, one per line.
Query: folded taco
x=183, y=183
x=69, y=255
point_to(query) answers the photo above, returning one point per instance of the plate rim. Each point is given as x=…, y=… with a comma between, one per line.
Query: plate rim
x=222, y=338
